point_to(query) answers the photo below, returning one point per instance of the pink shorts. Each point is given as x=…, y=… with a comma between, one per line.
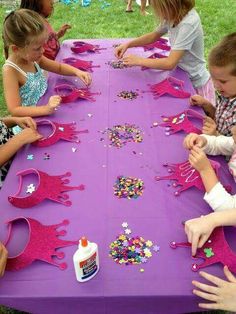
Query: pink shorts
x=208, y=92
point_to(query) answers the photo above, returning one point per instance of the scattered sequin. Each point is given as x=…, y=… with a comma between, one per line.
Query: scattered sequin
x=117, y=64
x=30, y=157
x=120, y=135
x=128, y=187
x=128, y=95
x=46, y=156
x=30, y=188
x=74, y=149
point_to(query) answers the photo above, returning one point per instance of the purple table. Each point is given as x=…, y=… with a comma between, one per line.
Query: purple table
x=165, y=285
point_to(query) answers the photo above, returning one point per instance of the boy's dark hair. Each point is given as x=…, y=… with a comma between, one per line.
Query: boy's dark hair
x=224, y=53
x=35, y=5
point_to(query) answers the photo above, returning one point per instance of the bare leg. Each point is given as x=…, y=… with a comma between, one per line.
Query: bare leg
x=129, y=6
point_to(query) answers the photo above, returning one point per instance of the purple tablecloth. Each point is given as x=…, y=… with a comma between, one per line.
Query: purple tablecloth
x=165, y=285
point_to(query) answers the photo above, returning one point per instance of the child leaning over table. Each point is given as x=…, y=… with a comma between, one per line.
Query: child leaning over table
x=200, y=145
x=182, y=22
x=221, y=293
x=10, y=144
x=45, y=9
x=24, y=82
x=222, y=66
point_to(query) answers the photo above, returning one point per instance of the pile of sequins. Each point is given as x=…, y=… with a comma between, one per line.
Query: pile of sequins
x=130, y=95
x=131, y=250
x=117, y=64
x=128, y=187
x=119, y=135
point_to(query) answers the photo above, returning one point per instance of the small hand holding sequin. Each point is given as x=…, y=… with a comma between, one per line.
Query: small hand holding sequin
x=60, y=131
x=81, y=46
x=81, y=64
x=215, y=250
x=181, y=122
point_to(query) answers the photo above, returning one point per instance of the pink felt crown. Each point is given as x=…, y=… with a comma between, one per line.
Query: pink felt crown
x=70, y=93
x=155, y=55
x=169, y=86
x=81, y=64
x=186, y=176
x=49, y=187
x=161, y=43
x=215, y=250
x=81, y=46
x=42, y=244
x=181, y=122
x=66, y=132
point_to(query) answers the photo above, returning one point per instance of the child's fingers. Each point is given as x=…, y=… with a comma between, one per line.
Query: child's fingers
x=229, y=275
x=213, y=279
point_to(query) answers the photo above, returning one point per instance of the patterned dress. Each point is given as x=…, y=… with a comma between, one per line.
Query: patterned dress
x=5, y=135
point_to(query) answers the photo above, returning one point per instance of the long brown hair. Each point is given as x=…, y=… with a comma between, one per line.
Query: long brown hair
x=20, y=27
x=172, y=10
x=224, y=53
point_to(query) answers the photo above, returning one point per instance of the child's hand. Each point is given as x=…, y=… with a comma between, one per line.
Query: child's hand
x=196, y=100
x=26, y=122
x=193, y=139
x=63, y=30
x=28, y=135
x=3, y=259
x=209, y=126
x=84, y=76
x=132, y=60
x=53, y=103
x=198, y=231
x=221, y=294
x=120, y=51
x=198, y=159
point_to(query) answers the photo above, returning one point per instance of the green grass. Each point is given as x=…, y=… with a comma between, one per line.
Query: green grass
x=113, y=22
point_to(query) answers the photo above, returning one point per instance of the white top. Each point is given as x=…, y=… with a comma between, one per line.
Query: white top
x=188, y=36
x=218, y=198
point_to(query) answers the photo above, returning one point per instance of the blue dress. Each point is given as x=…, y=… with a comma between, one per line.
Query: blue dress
x=33, y=89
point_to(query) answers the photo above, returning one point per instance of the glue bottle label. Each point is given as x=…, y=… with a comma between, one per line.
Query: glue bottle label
x=88, y=266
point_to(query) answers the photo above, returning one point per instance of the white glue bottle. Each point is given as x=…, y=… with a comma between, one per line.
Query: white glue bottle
x=85, y=260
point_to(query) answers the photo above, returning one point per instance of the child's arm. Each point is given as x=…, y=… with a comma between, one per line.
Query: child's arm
x=209, y=109
x=200, y=162
x=198, y=230
x=9, y=149
x=23, y=122
x=3, y=259
x=138, y=42
x=64, y=69
x=168, y=63
x=63, y=29
x=11, y=81
x=222, y=293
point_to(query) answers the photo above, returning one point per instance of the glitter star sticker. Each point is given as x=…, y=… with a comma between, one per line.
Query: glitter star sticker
x=125, y=224
x=30, y=188
x=127, y=231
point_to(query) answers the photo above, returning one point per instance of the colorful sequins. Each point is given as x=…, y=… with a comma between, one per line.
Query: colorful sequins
x=130, y=95
x=119, y=135
x=128, y=187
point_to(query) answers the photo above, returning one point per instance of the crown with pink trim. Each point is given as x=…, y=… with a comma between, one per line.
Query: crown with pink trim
x=42, y=244
x=70, y=93
x=49, y=187
x=185, y=176
x=181, y=122
x=161, y=43
x=155, y=55
x=169, y=86
x=82, y=46
x=215, y=250
x=60, y=131
x=81, y=64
